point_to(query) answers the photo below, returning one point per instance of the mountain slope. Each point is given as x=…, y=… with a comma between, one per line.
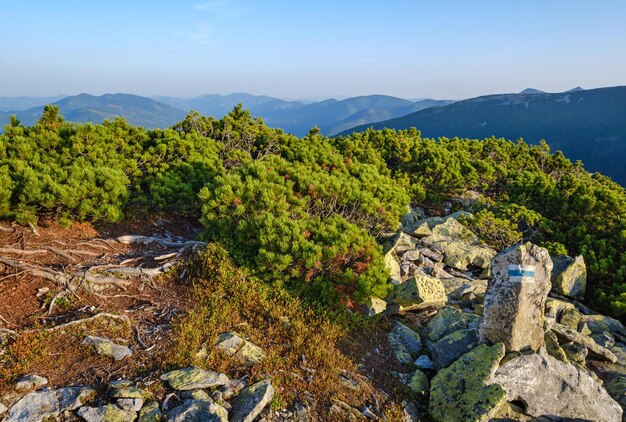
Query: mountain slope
x=23, y=103
x=137, y=110
x=587, y=125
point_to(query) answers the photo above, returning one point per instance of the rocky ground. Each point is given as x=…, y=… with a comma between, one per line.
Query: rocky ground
x=472, y=334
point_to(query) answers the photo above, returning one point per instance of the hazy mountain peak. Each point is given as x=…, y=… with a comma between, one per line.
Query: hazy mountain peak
x=532, y=91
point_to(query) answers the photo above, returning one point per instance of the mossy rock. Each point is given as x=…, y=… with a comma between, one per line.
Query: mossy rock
x=554, y=348
x=418, y=383
x=459, y=392
x=448, y=320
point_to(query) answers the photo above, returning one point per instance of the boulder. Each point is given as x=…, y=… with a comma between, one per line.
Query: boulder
x=418, y=229
x=515, y=298
x=418, y=383
x=150, y=412
x=570, y=318
x=106, y=347
x=600, y=324
x=424, y=362
x=569, y=276
x=405, y=343
x=34, y=407
x=251, y=401
x=576, y=353
x=196, y=410
x=549, y=387
x=374, y=306
x=554, y=348
x=566, y=334
x=418, y=292
x=448, y=320
x=71, y=398
x=130, y=405
x=460, y=393
x=30, y=383
x=234, y=346
x=106, y=413
x=192, y=378
x=453, y=346
x=460, y=254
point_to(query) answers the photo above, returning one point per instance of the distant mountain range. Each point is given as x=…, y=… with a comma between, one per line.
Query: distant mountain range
x=331, y=116
x=587, y=125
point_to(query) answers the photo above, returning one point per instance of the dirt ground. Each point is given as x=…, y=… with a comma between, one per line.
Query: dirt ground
x=25, y=299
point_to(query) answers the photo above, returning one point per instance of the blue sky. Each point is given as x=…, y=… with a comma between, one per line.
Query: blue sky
x=310, y=49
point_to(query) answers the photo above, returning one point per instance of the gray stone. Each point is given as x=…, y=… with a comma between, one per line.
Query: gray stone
x=106, y=347
x=232, y=387
x=418, y=292
x=30, y=383
x=453, y=346
x=374, y=306
x=106, y=413
x=200, y=411
x=550, y=387
x=130, y=405
x=569, y=276
x=424, y=362
x=566, y=334
x=418, y=383
x=410, y=413
x=192, y=378
x=448, y=320
x=130, y=393
x=71, y=398
x=404, y=342
x=599, y=324
x=251, y=401
x=3, y=409
x=196, y=395
x=515, y=299
x=460, y=393
x=34, y=407
x=234, y=346
x=150, y=413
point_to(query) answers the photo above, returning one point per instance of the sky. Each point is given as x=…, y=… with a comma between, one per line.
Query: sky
x=310, y=49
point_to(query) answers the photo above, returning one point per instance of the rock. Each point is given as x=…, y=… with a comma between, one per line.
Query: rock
x=374, y=306
x=616, y=389
x=435, y=256
x=195, y=410
x=418, y=292
x=410, y=413
x=569, y=335
x=150, y=413
x=232, y=387
x=130, y=405
x=106, y=347
x=404, y=342
x=251, y=401
x=30, y=383
x=448, y=320
x=192, y=378
x=554, y=348
x=569, y=276
x=71, y=398
x=515, y=299
x=3, y=409
x=342, y=411
x=412, y=255
x=570, y=318
x=393, y=266
x=599, y=324
x=453, y=346
x=459, y=254
x=419, y=229
x=130, y=393
x=424, y=362
x=244, y=351
x=418, y=383
x=575, y=352
x=554, y=308
x=550, y=387
x=196, y=395
x=106, y=413
x=34, y=407
x=460, y=393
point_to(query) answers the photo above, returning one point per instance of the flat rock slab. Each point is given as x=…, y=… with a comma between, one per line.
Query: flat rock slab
x=106, y=413
x=30, y=383
x=460, y=391
x=550, y=387
x=418, y=292
x=34, y=407
x=197, y=410
x=192, y=378
x=71, y=398
x=251, y=401
x=106, y=347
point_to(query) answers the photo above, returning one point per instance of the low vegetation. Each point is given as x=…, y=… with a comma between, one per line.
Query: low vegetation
x=307, y=213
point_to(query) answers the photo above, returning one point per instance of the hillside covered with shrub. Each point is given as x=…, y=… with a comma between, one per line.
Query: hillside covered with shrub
x=310, y=213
